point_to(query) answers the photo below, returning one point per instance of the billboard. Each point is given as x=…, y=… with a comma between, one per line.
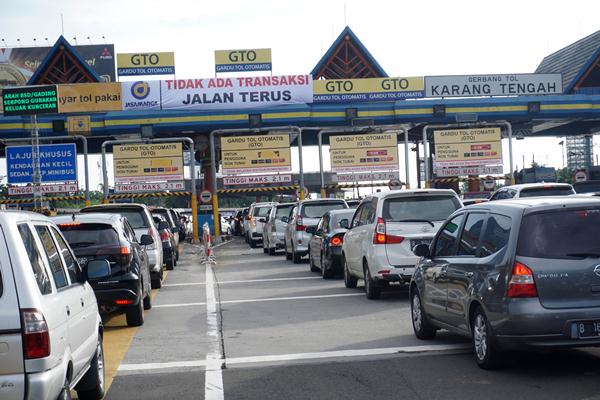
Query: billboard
x=141, y=95
x=467, y=147
x=18, y=64
x=247, y=60
x=29, y=100
x=148, y=162
x=365, y=152
x=58, y=163
x=89, y=97
x=368, y=89
x=239, y=92
x=130, y=64
x=250, y=154
x=493, y=85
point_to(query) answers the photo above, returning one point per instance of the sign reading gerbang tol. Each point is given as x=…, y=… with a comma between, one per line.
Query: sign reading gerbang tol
x=493, y=85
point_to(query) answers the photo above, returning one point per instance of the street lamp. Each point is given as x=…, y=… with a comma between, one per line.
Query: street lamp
x=562, y=144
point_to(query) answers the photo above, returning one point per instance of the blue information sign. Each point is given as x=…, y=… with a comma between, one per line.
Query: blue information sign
x=58, y=163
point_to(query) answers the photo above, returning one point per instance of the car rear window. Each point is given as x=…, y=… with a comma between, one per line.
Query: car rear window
x=546, y=191
x=587, y=187
x=316, y=210
x=261, y=211
x=562, y=234
x=431, y=208
x=84, y=235
x=283, y=211
x=337, y=217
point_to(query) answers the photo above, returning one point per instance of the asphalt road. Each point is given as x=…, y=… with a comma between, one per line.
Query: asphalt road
x=270, y=329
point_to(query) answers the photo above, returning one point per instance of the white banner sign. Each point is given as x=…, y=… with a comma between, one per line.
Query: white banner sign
x=462, y=171
x=256, y=179
x=141, y=95
x=368, y=176
x=493, y=85
x=148, y=187
x=59, y=188
x=240, y=92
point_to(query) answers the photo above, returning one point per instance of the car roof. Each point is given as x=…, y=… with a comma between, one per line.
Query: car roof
x=343, y=211
x=286, y=204
x=319, y=201
x=16, y=216
x=96, y=218
x=536, y=185
x=117, y=206
x=410, y=192
x=531, y=204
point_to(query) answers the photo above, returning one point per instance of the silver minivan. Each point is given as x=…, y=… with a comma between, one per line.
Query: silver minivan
x=50, y=329
x=274, y=229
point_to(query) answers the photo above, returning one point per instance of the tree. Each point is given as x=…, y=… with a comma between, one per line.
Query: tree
x=564, y=175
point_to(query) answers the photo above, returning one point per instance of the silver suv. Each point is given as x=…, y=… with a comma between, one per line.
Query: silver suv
x=304, y=214
x=512, y=274
x=50, y=329
x=274, y=229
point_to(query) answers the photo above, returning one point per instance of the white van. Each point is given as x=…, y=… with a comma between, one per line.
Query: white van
x=50, y=329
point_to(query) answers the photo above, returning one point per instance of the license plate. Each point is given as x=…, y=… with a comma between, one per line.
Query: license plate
x=588, y=329
x=82, y=261
x=415, y=242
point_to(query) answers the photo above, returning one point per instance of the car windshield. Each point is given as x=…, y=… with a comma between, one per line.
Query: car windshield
x=261, y=211
x=338, y=216
x=316, y=210
x=84, y=235
x=564, y=234
x=546, y=191
x=283, y=211
x=136, y=218
x=430, y=208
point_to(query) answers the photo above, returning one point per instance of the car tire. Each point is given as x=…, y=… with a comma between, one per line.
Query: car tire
x=271, y=251
x=252, y=244
x=487, y=355
x=349, y=281
x=65, y=393
x=265, y=250
x=288, y=256
x=296, y=258
x=423, y=329
x=135, y=314
x=156, y=282
x=171, y=264
x=326, y=273
x=147, y=302
x=91, y=386
x=372, y=291
x=313, y=268
x=177, y=254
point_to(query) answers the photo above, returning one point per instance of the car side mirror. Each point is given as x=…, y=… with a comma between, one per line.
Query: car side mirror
x=162, y=225
x=263, y=220
x=421, y=250
x=319, y=232
x=285, y=219
x=146, y=240
x=311, y=229
x=344, y=223
x=97, y=269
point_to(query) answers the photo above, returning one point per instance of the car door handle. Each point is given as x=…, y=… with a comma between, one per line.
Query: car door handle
x=68, y=311
x=82, y=302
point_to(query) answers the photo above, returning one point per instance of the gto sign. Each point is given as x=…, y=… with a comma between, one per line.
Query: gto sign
x=129, y=64
x=243, y=60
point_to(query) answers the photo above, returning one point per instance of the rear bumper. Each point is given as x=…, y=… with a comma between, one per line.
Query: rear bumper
x=45, y=385
x=124, y=289
x=395, y=273
x=155, y=261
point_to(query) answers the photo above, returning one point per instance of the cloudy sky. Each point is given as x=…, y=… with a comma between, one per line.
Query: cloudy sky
x=407, y=38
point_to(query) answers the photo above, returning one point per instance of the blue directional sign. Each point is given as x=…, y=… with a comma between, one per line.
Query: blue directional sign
x=58, y=163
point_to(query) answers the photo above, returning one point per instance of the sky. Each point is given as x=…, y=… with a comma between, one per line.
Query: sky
x=417, y=38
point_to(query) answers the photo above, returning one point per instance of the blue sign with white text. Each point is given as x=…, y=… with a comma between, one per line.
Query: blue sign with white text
x=58, y=163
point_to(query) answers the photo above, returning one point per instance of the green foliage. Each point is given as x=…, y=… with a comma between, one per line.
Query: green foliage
x=564, y=175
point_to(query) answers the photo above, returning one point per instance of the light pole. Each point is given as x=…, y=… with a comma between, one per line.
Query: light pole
x=562, y=144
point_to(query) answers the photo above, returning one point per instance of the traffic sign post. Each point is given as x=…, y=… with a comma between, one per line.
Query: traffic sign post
x=205, y=196
x=489, y=183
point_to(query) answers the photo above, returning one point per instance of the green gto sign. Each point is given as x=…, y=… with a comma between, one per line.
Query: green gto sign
x=28, y=100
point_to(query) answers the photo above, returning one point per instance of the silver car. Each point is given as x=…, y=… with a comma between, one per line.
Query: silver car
x=304, y=214
x=253, y=224
x=274, y=229
x=512, y=274
x=532, y=190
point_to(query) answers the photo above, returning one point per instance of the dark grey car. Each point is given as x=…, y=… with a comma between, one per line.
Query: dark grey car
x=512, y=274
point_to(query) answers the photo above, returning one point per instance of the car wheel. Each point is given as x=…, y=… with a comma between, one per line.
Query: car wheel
x=271, y=251
x=171, y=264
x=177, y=254
x=326, y=273
x=296, y=258
x=147, y=302
x=265, y=250
x=423, y=329
x=313, y=268
x=349, y=281
x=135, y=314
x=486, y=354
x=65, y=393
x=91, y=386
x=372, y=291
x=156, y=281
x=288, y=256
x=252, y=244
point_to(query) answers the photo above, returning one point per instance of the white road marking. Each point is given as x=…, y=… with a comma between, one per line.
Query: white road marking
x=142, y=368
x=325, y=296
x=213, y=380
x=245, y=281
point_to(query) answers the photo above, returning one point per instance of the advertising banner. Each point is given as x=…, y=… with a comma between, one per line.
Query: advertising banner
x=250, y=154
x=256, y=179
x=369, y=89
x=18, y=64
x=141, y=95
x=30, y=100
x=29, y=190
x=149, y=187
x=467, y=147
x=365, y=152
x=58, y=163
x=243, y=60
x=368, y=176
x=463, y=171
x=493, y=85
x=148, y=162
x=130, y=64
x=89, y=97
x=239, y=92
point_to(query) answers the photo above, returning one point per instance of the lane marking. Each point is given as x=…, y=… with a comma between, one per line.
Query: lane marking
x=141, y=368
x=213, y=380
x=222, y=244
x=247, y=281
x=325, y=296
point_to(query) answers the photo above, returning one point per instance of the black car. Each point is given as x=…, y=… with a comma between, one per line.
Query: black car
x=237, y=223
x=325, y=246
x=110, y=237
x=168, y=215
x=168, y=242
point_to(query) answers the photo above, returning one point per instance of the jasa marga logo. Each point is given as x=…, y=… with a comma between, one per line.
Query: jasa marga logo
x=140, y=91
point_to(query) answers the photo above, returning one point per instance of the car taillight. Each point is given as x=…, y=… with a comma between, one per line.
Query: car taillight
x=521, y=282
x=36, y=339
x=381, y=237
x=336, y=241
x=165, y=236
x=300, y=227
x=117, y=254
x=253, y=221
x=123, y=302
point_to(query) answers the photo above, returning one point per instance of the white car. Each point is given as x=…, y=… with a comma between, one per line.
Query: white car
x=532, y=190
x=50, y=329
x=274, y=229
x=384, y=230
x=253, y=224
x=304, y=214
